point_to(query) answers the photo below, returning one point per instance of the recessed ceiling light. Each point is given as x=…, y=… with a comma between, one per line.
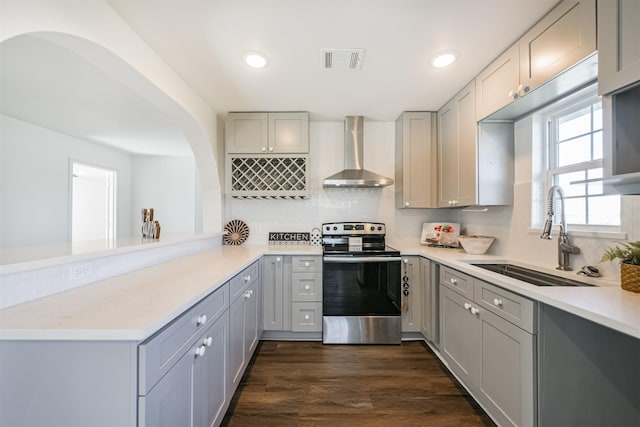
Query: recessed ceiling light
x=443, y=59
x=255, y=59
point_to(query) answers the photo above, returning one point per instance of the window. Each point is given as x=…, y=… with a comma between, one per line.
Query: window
x=575, y=163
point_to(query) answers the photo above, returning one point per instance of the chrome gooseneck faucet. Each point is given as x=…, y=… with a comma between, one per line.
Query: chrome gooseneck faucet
x=564, y=246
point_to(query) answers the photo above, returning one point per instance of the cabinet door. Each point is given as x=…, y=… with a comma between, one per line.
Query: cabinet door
x=416, y=160
x=467, y=131
x=246, y=133
x=272, y=291
x=429, y=300
x=251, y=320
x=506, y=386
x=497, y=85
x=459, y=336
x=448, y=154
x=210, y=394
x=168, y=404
x=411, y=303
x=288, y=133
x=618, y=46
x=237, y=351
x=563, y=37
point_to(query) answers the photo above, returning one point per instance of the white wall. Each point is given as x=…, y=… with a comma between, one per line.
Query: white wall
x=326, y=205
x=35, y=183
x=509, y=224
x=95, y=31
x=165, y=184
x=512, y=225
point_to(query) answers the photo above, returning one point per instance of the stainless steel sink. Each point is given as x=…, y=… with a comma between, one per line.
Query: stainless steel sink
x=530, y=276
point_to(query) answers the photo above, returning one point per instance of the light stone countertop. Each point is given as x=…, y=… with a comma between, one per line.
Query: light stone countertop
x=606, y=303
x=135, y=305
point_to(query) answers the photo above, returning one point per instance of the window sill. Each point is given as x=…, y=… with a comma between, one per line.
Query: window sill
x=594, y=234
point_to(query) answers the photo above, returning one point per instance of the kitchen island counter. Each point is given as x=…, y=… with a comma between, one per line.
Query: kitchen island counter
x=133, y=306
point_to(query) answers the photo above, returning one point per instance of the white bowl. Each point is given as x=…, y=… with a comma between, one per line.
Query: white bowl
x=476, y=245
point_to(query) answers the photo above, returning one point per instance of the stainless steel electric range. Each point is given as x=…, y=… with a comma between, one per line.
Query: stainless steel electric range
x=361, y=290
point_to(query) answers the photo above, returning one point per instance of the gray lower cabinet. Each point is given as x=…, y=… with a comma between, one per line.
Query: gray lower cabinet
x=183, y=368
x=272, y=291
x=412, y=289
x=196, y=386
x=244, y=323
x=487, y=338
x=292, y=294
x=429, y=301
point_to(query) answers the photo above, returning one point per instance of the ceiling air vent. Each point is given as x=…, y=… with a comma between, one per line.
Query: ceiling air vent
x=341, y=59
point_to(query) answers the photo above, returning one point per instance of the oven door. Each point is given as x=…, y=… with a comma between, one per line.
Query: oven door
x=361, y=285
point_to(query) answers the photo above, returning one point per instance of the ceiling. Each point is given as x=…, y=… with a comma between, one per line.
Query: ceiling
x=204, y=41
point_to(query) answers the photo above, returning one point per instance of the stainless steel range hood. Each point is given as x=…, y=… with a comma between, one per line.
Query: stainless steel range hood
x=354, y=175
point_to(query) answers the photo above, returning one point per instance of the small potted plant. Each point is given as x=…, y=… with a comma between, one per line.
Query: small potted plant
x=629, y=256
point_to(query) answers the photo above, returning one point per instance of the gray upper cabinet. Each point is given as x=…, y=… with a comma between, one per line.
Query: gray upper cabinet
x=416, y=160
x=288, y=133
x=475, y=160
x=618, y=44
x=563, y=37
x=457, y=150
x=549, y=51
x=498, y=84
x=267, y=133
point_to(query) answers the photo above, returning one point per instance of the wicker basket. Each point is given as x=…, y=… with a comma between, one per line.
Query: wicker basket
x=630, y=277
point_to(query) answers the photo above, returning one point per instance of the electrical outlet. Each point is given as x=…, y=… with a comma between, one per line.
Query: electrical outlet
x=78, y=273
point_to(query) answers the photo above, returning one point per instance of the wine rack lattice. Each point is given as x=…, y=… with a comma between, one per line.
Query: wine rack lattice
x=268, y=176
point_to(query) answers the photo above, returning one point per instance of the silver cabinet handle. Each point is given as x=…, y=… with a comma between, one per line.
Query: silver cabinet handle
x=497, y=302
x=474, y=310
x=201, y=320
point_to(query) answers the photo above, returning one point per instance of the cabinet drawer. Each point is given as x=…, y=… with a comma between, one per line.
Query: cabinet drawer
x=306, y=316
x=310, y=264
x=306, y=287
x=243, y=280
x=457, y=281
x=161, y=351
x=512, y=307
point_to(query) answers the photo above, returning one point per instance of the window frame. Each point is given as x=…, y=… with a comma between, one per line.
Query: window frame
x=550, y=119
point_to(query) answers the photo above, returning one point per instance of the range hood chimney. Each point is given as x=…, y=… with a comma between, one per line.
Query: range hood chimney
x=354, y=175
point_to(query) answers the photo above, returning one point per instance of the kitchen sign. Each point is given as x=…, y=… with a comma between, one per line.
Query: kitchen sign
x=289, y=237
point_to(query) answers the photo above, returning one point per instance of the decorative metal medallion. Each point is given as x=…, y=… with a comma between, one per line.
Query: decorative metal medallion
x=237, y=232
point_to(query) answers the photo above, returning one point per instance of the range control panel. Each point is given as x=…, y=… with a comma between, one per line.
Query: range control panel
x=351, y=228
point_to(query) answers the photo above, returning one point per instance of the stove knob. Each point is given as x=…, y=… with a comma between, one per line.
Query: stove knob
x=379, y=228
x=328, y=228
x=373, y=228
x=335, y=228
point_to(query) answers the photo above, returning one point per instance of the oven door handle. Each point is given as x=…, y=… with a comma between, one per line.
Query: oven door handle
x=357, y=260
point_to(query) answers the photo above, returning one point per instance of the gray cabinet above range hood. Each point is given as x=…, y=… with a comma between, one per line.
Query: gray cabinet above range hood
x=354, y=175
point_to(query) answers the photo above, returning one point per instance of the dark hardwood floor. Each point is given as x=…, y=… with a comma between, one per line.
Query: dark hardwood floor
x=310, y=384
